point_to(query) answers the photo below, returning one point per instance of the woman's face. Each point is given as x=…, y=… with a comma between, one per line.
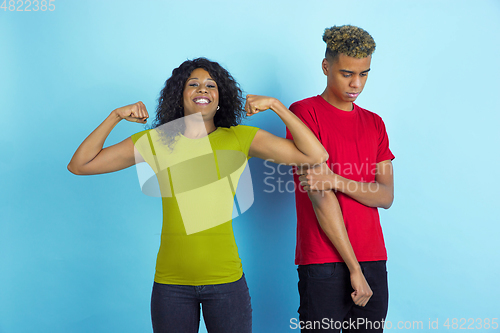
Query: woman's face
x=200, y=94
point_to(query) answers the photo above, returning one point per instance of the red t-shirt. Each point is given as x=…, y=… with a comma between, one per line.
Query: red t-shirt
x=356, y=141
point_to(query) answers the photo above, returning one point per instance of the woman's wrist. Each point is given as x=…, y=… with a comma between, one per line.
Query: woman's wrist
x=277, y=106
x=115, y=115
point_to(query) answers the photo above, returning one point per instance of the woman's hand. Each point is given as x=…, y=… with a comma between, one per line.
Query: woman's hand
x=134, y=112
x=256, y=104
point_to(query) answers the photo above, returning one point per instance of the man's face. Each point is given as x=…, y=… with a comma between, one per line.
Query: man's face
x=346, y=79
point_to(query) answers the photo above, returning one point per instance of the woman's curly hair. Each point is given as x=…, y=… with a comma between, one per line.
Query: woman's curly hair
x=349, y=40
x=170, y=102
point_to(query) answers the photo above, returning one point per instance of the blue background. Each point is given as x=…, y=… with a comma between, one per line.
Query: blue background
x=77, y=254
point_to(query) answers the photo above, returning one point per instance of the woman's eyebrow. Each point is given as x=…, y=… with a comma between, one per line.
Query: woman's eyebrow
x=195, y=78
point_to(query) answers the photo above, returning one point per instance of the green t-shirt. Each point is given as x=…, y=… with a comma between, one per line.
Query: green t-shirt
x=198, y=180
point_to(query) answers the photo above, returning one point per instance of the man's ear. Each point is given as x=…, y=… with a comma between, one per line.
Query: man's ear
x=326, y=66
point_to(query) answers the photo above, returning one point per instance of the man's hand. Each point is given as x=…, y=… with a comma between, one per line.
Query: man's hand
x=362, y=291
x=319, y=178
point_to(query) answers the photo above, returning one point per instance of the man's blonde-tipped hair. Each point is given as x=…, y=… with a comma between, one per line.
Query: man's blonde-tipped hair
x=349, y=40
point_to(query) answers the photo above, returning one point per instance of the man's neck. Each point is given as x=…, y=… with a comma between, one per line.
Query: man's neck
x=344, y=106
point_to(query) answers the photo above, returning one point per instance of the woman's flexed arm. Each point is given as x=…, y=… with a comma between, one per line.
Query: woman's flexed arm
x=91, y=158
x=305, y=149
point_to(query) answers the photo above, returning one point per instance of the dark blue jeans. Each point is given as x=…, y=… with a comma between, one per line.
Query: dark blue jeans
x=325, y=298
x=226, y=308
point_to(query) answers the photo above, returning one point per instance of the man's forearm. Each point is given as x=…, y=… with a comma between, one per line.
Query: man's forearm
x=377, y=194
x=329, y=215
x=369, y=194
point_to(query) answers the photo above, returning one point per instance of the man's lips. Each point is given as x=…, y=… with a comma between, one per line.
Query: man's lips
x=201, y=100
x=353, y=95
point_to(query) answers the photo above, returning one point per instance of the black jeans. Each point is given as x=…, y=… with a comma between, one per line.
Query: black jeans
x=226, y=307
x=325, y=298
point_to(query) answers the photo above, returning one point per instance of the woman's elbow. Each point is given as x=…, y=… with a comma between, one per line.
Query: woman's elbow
x=324, y=157
x=319, y=159
x=73, y=170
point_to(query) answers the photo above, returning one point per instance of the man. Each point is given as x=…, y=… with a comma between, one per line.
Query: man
x=333, y=291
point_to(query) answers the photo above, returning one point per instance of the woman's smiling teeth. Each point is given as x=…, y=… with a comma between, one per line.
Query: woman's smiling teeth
x=201, y=100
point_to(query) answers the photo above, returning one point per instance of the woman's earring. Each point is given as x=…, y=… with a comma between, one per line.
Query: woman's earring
x=218, y=107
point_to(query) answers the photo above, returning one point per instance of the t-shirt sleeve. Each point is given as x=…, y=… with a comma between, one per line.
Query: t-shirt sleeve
x=142, y=143
x=245, y=135
x=135, y=137
x=306, y=115
x=383, y=153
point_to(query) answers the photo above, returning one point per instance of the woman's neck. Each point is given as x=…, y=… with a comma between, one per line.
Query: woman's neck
x=196, y=130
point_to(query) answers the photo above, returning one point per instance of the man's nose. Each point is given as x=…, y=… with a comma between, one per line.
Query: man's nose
x=355, y=82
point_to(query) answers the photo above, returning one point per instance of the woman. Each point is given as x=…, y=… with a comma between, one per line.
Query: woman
x=200, y=265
